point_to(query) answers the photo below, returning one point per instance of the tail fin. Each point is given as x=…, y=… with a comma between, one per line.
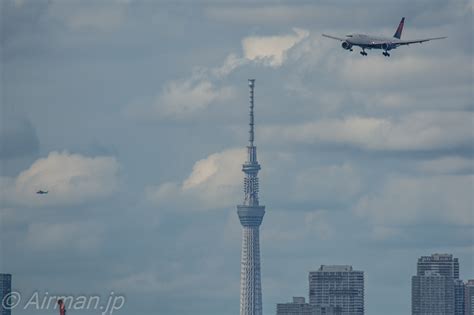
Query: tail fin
x=398, y=33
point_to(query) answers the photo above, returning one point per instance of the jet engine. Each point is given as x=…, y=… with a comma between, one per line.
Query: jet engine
x=387, y=46
x=346, y=45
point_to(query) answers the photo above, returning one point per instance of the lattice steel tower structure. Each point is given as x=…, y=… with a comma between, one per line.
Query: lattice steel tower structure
x=251, y=215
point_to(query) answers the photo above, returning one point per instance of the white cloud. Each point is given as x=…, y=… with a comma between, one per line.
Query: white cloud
x=417, y=131
x=231, y=63
x=271, y=49
x=405, y=200
x=214, y=182
x=186, y=98
x=98, y=15
x=69, y=178
x=183, y=98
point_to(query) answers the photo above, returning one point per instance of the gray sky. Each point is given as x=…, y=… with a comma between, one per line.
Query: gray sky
x=133, y=114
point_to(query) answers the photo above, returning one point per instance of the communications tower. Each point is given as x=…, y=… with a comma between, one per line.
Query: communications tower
x=250, y=214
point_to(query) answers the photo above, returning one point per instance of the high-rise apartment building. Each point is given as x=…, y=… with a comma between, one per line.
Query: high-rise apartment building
x=297, y=307
x=339, y=288
x=436, y=288
x=432, y=294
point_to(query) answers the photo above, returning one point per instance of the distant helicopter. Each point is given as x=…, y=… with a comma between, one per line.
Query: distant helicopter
x=42, y=192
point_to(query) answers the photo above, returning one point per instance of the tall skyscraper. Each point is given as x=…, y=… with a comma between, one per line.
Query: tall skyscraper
x=436, y=288
x=432, y=294
x=5, y=289
x=337, y=287
x=251, y=216
x=469, y=297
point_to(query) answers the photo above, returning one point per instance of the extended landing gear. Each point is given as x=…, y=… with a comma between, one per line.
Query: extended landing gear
x=386, y=54
x=363, y=53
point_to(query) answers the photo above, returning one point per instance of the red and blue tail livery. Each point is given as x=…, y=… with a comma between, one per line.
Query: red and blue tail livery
x=398, y=33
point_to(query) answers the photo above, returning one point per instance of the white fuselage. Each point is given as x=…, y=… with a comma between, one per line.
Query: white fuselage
x=372, y=42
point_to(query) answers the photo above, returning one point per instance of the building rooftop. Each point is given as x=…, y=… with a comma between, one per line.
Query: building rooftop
x=335, y=268
x=298, y=300
x=437, y=256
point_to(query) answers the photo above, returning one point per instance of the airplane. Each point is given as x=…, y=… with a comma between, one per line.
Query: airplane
x=378, y=42
x=42, y=192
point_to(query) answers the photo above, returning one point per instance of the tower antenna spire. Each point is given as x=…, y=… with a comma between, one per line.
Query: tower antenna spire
x=251, y=123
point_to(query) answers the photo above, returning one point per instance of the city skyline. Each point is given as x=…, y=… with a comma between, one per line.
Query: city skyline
x=333, y=290
x=132, y=115
x=339, y=290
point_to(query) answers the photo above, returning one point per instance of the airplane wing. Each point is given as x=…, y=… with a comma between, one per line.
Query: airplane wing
x=334, y=37
x=408, y=42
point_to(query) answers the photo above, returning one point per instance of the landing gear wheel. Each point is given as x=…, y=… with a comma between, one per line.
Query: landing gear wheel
x=386, y=54
x=363, y=53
